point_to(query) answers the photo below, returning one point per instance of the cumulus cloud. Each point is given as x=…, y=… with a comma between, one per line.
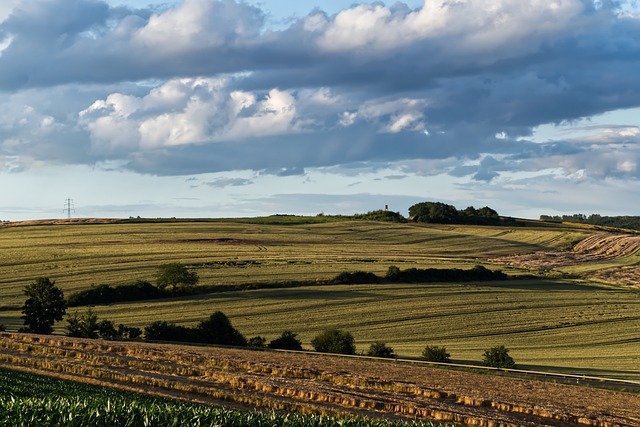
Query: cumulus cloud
x=205, y=86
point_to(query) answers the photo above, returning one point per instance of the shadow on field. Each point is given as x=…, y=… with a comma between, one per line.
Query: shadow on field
x=541, y=285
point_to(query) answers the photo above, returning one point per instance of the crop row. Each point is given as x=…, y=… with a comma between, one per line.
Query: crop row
x=27, y=399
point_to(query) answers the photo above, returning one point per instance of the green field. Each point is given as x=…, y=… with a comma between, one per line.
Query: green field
x=554, y=323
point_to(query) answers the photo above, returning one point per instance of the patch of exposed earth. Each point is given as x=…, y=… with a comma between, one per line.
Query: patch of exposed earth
x=599, y=247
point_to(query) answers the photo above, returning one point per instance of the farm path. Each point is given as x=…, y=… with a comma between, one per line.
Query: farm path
x=320, y=383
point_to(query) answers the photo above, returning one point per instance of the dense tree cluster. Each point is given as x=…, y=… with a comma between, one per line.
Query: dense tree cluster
x=442, y=213
x=217, y=329
x=381, y=215
x=107, y=294
x=426, y=275
x=628, y=222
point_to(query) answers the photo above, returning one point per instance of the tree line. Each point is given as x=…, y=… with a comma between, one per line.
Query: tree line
x=45, y=305
x=628, y=222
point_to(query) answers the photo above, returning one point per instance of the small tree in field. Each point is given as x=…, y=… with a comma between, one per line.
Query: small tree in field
x=44, y=306
x=433, y=353
x=334, y=341
x=380, y=349
x=83, y=325
x=286, y=341
x=498, y=357
x=176, y=276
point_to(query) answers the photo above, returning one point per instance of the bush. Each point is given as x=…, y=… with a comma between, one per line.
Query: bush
x=433, y=353
x=2, y=328
x=83, y=326
x=217, y=329
x=286, y=341
x=334, y=341
x=257, y=342
x=356, y=277
x=165, y=331
x=380, y=349
x=106, y=294
x=498, y=357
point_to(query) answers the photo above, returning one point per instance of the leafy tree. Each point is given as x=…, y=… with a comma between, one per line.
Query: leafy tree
x=217, y=329
x=498, y=357
x=286, y=341
x=44, y=306
x=176, y=276
x=433, y=353
x=83, y=326
x=434, y=212
x=334, y=341
x=393, y=273
x=380, y=349
x=107, y=330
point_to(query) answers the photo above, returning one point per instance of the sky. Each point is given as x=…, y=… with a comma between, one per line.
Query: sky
x=229, y=108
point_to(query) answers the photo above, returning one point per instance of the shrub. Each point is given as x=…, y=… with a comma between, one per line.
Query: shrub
x=257, y=342
x=165, y=331
x=355, y=277
x=380, y=349
x=83, y=326
x=128, y=332
x=433, y=353
x=2, y=328
x=334, y=341
x=217, y=329
x=498, y=357
x=286, y=341
x=106, y=294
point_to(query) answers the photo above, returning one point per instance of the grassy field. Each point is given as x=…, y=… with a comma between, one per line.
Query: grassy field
x=552, y=323
x=233, y=251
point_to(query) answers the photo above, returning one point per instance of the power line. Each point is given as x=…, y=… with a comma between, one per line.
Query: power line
x=68, y=207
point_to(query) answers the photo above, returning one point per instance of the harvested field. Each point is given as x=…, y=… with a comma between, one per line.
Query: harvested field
x=319, y=383
x=592, y=255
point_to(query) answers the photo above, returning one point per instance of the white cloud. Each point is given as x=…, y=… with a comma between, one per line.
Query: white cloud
x=479, y=26
x=199, y=23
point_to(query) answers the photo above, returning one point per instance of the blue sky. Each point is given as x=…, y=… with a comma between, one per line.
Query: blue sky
x=207, y=108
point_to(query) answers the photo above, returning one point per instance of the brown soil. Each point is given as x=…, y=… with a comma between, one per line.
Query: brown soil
x=599, y=247
x=320, y=383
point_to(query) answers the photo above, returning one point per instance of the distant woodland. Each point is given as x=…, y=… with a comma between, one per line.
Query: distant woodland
x=628, y=222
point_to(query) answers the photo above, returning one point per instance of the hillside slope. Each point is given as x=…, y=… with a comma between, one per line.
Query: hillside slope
x=309, y=383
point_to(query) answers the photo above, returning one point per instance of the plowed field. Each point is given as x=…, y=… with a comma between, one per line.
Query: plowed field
x=317, y=383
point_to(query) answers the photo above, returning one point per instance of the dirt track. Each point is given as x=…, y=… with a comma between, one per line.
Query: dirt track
x=317, y=383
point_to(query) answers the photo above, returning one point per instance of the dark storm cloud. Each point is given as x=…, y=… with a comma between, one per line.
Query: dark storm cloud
x=218, y=91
